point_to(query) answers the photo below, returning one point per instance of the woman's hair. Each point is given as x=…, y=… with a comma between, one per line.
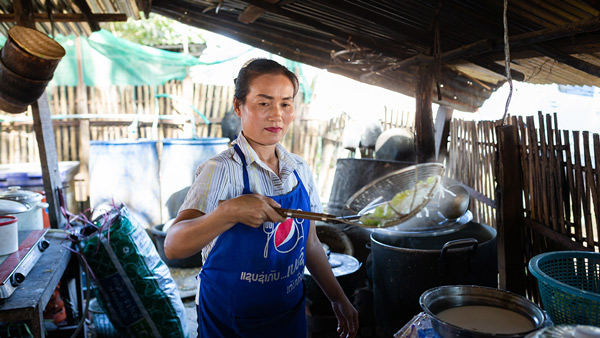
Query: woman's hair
x=255, y=68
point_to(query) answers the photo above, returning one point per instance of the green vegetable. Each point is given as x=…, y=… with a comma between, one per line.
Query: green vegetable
x=401, y=204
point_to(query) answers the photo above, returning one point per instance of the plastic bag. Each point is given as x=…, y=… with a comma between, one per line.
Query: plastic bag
x=133, y=284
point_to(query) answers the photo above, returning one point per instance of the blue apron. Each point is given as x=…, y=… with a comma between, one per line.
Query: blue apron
x=251, y=283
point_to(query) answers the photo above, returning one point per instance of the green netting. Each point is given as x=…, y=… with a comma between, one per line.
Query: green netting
x=109, y=60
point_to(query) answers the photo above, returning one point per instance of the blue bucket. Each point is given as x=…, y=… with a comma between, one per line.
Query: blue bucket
x=126, y=171
x=178, y=163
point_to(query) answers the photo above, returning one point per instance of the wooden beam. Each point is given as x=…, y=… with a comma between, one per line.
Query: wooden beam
x=87, y=13
x=544, y=35
x=562, y=240
x=510, y=223
x=145, y=6
x=66, y=17
x=23, y=13
x=442, y=130
x=425, y=138
x=83, y=176
x=42, y=125
x=496, y=68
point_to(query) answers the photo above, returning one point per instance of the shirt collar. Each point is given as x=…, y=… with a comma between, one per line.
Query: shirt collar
x=286, y=162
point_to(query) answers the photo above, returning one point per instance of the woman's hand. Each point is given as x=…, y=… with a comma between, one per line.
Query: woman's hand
x=252, y=210
x=347, y=318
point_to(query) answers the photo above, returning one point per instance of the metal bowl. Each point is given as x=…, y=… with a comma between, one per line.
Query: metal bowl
x=438, y=299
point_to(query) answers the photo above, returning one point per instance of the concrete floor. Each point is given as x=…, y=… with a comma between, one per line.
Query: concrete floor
x=186, y=283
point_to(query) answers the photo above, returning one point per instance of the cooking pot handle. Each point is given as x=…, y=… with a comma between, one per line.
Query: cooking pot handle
x=459, y=243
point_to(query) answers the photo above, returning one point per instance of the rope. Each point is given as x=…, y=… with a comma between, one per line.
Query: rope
x=506, y=61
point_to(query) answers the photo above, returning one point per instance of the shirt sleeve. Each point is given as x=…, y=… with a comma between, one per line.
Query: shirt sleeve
x=209, y=187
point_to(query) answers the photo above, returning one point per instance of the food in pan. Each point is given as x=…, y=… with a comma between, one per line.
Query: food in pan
x=402, y=204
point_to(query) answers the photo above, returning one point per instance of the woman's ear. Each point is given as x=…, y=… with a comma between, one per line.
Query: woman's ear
x=237, y=104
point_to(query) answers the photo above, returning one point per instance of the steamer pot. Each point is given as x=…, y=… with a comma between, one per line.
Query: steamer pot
x=31, y=54
x=403, y=267
x=33, y=217
x=27, y=63
x=436, y=300
x=16, y=91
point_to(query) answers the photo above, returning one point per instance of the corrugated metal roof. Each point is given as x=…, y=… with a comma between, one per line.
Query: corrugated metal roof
x=375, y=41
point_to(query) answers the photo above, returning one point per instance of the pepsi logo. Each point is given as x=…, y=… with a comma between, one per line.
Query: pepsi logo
x=285, y=232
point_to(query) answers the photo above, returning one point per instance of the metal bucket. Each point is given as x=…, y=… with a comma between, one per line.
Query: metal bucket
x=404, y=267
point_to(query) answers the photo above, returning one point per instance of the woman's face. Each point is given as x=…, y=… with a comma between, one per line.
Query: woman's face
x=268, y=110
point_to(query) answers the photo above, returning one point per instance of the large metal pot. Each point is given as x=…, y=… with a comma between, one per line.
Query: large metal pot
x=403, y=267
x=498, y=313
x=33, y=217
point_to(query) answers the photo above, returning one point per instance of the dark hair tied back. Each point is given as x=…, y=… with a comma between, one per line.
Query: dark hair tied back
x=255, y=68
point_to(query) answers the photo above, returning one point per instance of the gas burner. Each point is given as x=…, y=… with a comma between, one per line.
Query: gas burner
x=15, y=267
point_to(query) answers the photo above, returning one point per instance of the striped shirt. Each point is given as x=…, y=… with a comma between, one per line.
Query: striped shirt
x=221, y=178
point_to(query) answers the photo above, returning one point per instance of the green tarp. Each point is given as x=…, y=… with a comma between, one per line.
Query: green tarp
x=109, y=60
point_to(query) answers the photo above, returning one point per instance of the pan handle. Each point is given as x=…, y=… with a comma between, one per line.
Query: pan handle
x=459, y=243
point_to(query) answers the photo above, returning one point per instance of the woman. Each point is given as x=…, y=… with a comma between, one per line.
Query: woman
x=251, y=280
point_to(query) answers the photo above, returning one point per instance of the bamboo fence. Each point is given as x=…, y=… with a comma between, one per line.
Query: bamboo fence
x=472, y=161
x=560, y=179
x=159, y=112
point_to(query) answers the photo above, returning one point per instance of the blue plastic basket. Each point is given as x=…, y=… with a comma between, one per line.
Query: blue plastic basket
x=569, y=284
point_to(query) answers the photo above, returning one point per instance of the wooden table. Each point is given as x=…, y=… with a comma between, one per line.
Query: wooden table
x=28, y=301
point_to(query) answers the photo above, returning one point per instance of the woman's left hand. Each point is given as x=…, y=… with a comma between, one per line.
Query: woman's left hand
x=347, y=318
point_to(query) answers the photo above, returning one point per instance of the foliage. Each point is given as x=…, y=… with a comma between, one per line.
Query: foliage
x=157, y=30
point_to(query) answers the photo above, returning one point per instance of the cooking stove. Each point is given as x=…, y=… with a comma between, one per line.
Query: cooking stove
x=15, y=267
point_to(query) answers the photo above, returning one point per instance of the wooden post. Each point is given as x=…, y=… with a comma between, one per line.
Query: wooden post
x=442, y=129
x=424, y=116
x=42, y=124
x=510, y=225
x=82, y=179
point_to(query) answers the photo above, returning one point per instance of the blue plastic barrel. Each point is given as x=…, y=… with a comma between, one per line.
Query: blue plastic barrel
x=126, y=171
x=179, y=160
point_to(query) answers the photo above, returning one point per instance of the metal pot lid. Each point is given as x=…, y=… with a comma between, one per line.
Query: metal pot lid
x=8, y=207
x=341, y=264
x=433, y=224
x=15, y=193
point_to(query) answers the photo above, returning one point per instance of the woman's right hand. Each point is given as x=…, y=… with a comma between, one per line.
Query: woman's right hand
x=252, y=210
